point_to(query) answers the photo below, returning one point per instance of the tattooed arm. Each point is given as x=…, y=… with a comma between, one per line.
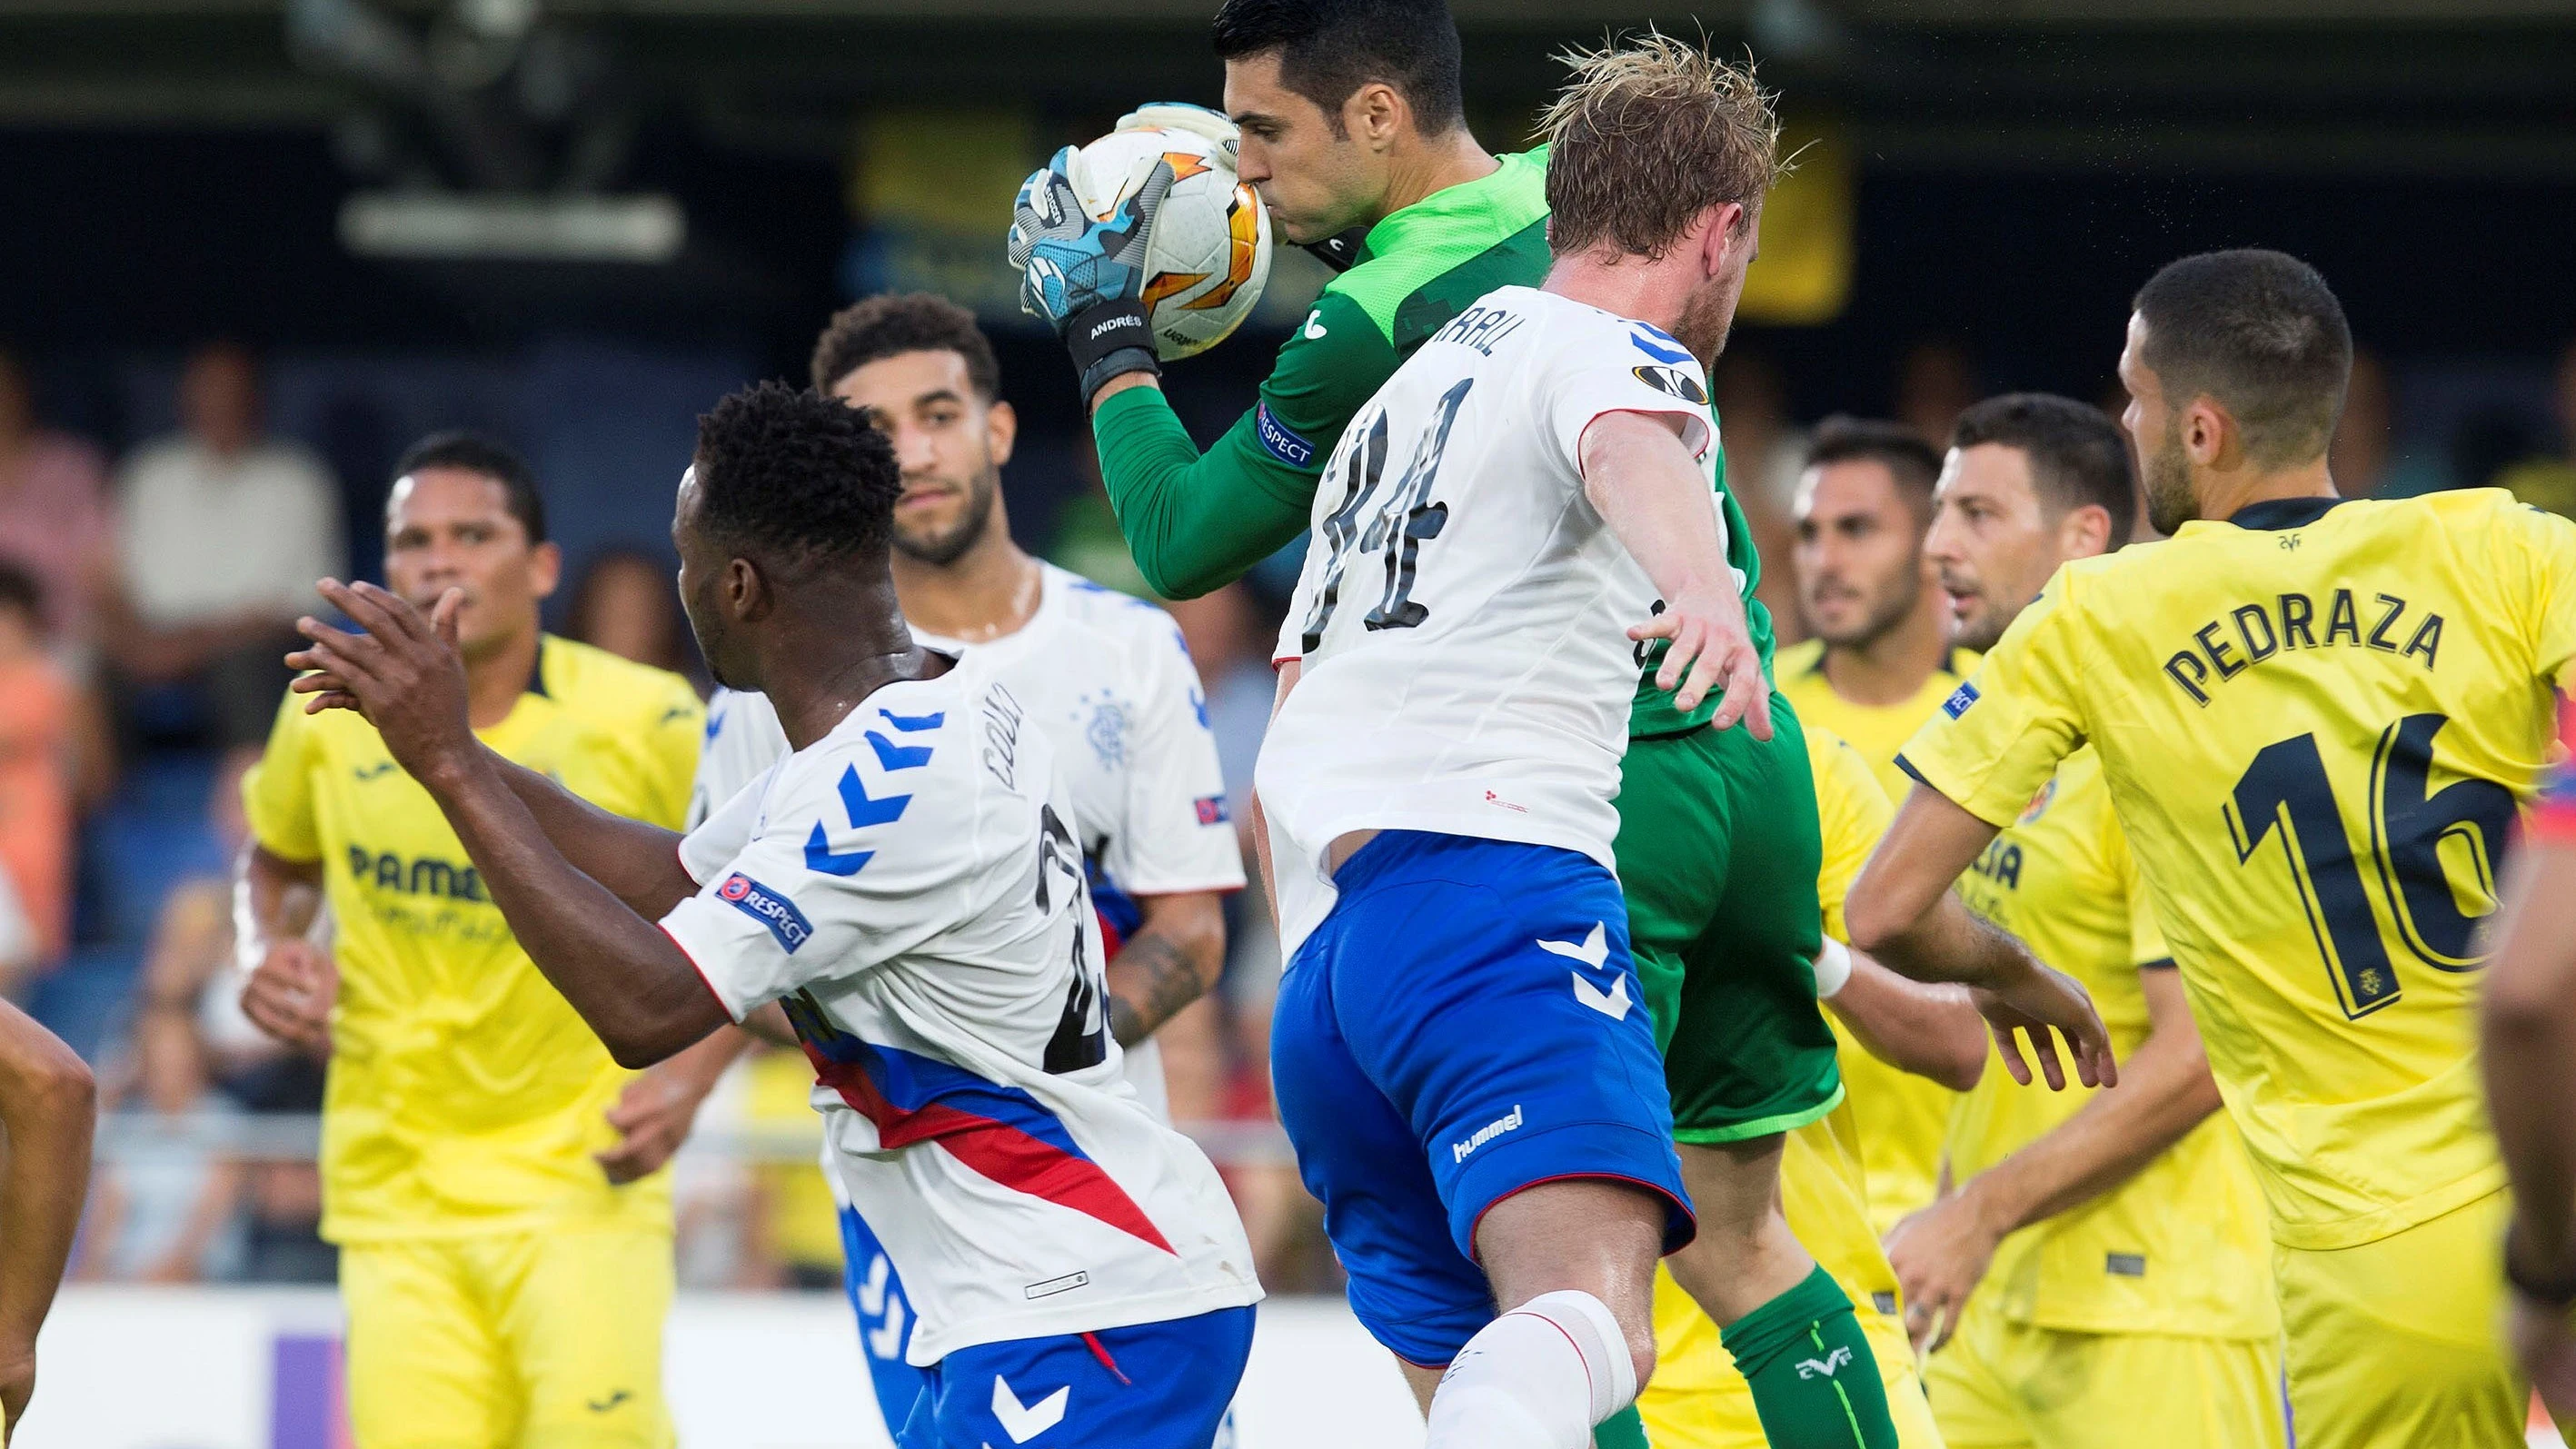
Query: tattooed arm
x=1173, y=959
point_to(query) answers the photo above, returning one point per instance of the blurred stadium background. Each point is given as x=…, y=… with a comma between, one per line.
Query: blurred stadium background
x=290, y=236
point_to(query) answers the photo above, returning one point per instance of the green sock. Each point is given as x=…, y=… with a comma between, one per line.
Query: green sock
x=1815, y=1382
x=1622, y=1430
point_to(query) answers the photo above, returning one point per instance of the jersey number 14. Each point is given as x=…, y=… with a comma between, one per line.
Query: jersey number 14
x=1404, y=521
x=2285, y=792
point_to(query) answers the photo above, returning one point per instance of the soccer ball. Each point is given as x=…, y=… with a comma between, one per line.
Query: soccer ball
x=1208, y=253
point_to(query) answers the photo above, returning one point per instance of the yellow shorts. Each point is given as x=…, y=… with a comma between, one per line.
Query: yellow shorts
x=513, y=1341
x=1697, y=1400
x=2399, y=1342
x=2004, y=1385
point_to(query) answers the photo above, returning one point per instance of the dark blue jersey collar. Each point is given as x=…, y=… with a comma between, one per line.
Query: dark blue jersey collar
x=2281, y=513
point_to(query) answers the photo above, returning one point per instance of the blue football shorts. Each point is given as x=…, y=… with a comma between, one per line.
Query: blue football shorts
x=1149, y=1386
x=1465, y=1023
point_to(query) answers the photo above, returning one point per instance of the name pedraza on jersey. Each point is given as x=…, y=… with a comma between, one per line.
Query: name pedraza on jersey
x=1462, y=617
x=910, y=889
x=1108, y=680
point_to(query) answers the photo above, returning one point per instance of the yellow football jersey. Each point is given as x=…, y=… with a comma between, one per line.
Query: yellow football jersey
x=1697, y=1398
x=1900, y=1117
x=464, y=1094
x=2182, y=1247
x=2316, y=721
x=1878, y=731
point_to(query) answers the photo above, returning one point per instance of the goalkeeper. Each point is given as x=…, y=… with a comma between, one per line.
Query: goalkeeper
x=1389, y=187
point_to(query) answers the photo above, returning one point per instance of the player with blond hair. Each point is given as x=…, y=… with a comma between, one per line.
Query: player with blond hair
x=1496, y=528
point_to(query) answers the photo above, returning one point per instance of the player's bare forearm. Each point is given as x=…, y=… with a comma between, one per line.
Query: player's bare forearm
x=274, y=899
x=637, y=861
x=1932, y=1031
x=2529, y=1053
x=634, y=986
x=1900, y=909
x=1949, y=943
x=49, y=1108
x=2165, y=1092
x=1173, y=959
x=1652, y=494
x=1645, y=485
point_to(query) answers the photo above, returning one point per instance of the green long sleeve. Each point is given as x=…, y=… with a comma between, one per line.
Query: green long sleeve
x=1196, y=522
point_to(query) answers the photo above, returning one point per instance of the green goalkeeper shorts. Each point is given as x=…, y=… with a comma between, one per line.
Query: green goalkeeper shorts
x=1718, y=855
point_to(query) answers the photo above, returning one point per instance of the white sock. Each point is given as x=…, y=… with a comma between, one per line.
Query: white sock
x=1539, y=1377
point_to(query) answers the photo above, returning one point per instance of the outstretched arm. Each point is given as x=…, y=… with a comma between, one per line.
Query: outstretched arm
x=1194, y=521
x=637, y=861
x=1902, y=912
x=1651, y=492
x=627, y=979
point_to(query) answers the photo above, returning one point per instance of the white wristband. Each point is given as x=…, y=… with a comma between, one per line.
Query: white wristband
x=1833, y=968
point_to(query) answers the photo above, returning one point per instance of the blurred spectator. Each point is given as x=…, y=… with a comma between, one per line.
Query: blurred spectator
x=2358, y=457
x=38, y=717
x=225, y=531
x=54, y=517
x=191, y=989
x=1764, y=453
x=791, y=1227
x=169, y=1211
x=628, y=604
x=2368, y=458
x=1935, y=382
x=2545, y=481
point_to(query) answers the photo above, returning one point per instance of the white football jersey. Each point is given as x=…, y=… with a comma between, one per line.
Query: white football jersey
x=1462, y=618
x=909, y=889
x=1110, y=682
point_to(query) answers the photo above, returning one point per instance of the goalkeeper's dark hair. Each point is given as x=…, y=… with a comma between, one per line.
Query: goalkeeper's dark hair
x=1330, y=48
x=2078, y=456
x=2260, y=332
x=890, y=323
x=487, y=457
x=791, y=479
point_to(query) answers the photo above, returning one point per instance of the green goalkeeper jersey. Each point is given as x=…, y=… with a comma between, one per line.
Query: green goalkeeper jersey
x=1198, y=521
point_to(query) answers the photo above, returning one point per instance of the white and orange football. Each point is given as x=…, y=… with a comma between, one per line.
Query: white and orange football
x=1208, y=253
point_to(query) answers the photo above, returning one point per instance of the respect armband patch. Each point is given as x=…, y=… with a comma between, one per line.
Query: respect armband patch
x=771, y=908
x=1959, y=700
x=1279, y=440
